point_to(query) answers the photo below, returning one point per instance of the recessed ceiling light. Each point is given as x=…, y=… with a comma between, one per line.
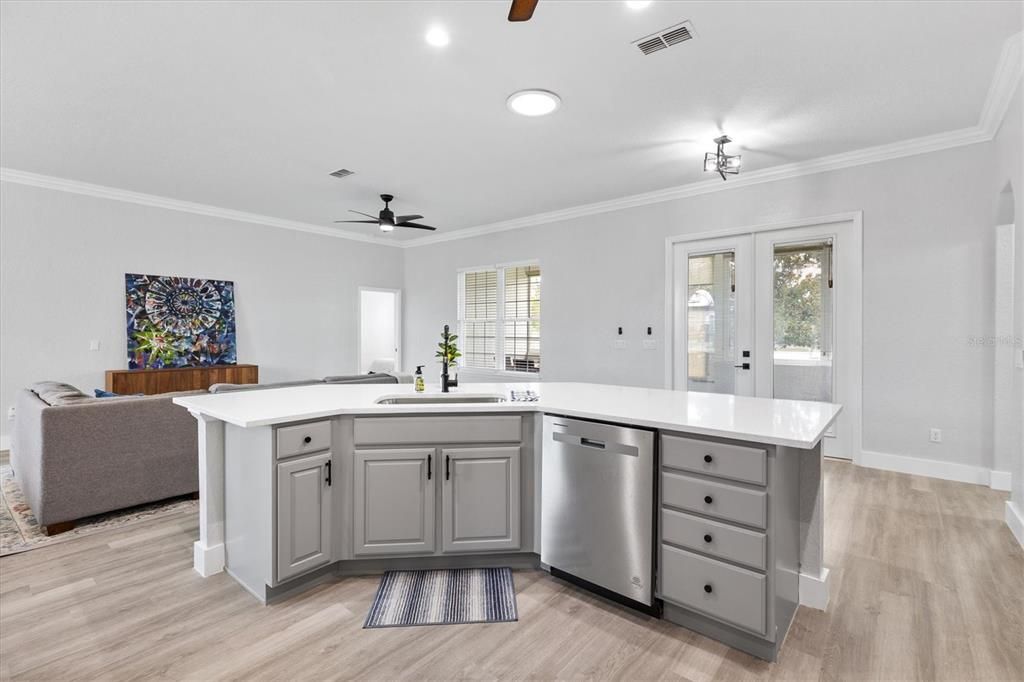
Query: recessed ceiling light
x=437, y=36
x=533, y=102
x=637, y=4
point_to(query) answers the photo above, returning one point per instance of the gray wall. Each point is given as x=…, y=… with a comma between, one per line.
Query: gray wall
x=928, y=259
x=62, y=263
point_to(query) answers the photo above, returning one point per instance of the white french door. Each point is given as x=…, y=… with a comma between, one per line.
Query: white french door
x=713, y=316
x=774, y=313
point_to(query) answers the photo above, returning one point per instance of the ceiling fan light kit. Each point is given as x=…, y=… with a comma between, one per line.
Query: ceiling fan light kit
x=720, y=162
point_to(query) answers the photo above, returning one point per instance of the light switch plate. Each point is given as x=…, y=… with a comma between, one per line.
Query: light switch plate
x=10, y=412
x=94, y=344
x=650, y=344
x=619, y=344
x=1020, y=359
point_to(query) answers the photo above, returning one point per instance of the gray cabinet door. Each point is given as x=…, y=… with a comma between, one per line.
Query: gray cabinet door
x=303, y=515
x=479, y=499
x=394, y=501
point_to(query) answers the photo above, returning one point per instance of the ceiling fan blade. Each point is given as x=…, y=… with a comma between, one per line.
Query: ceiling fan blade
x=403, y=218
x=521, y=10
x=361, y=213
x=374, y=222
x=417, y=226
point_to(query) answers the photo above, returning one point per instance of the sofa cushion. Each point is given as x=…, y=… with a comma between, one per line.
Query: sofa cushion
x=57, y=393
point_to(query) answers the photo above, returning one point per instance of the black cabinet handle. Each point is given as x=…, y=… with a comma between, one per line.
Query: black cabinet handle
x=307, y=440
x=447, y=467
x=709, y=589
x=707, y=499
x=430, y=458
x=708, y=458
x=707, y=538
x=328, y=472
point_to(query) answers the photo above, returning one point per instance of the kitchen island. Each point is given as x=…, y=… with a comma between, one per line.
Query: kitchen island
x=299, y=484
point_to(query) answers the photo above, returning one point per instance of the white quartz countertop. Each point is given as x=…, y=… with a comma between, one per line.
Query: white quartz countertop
x=792, y=423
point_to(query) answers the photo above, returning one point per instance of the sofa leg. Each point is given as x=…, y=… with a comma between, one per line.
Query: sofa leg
x=62, y=527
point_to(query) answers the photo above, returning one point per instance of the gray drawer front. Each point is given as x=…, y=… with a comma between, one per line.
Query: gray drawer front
x=729, y=502
x=743, y=546
x=438, y=429
x=727, y=461
x=303, y=438
x=737, y=596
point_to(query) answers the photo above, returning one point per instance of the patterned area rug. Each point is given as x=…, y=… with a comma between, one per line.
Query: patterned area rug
x=19, y=531
x=444, y=597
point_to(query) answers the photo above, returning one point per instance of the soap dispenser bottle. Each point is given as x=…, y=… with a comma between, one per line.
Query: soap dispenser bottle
x=419, y=379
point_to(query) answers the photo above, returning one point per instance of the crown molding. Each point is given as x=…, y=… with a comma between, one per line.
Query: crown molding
x=116, y=194
x=1008, y=74
x=860, y=157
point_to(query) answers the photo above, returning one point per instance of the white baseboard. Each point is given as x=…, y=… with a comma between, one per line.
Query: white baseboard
x=1015, y=520
x=5, y=442
x=1001, y=480
x=814, y=590
x=207, y=561
x=949, y=471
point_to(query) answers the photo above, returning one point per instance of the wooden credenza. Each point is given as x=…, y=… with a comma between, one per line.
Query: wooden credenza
x=150, y=381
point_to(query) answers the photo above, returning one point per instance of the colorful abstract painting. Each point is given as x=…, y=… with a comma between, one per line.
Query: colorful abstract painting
x=179, y=321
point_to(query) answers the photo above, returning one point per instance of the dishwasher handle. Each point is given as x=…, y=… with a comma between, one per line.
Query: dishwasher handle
x=612, y=448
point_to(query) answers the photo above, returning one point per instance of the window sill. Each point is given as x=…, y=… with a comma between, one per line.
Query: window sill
x=484, y=375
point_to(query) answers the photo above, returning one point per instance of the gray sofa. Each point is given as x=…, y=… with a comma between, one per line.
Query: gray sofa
x=76, y=456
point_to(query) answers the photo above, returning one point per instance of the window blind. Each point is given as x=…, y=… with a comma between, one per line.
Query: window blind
x=499, y=314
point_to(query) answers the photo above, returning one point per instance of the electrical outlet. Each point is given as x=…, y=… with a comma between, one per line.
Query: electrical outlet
x=94, y=344
x=10, y=412
x=619, y=344
x=650, y=344
x=935, y=435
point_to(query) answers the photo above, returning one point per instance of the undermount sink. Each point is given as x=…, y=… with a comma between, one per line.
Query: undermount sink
x=440, y=399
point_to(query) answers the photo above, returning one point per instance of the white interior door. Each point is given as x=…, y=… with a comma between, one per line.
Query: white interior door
x=380, y=315
x=805, y=320
x=712, y=299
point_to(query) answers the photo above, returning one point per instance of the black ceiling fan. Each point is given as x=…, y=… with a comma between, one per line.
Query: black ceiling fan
x=386, y=220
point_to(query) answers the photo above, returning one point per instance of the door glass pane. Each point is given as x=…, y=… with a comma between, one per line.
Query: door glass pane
x=803, y=322
x=711, y=323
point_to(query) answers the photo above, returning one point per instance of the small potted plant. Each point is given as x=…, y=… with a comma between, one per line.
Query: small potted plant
x=447, y=353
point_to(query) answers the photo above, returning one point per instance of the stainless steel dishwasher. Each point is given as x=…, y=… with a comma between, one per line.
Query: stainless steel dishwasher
x=597, y=507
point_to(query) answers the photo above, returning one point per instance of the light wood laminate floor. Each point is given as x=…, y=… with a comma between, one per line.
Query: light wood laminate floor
x=928, y=583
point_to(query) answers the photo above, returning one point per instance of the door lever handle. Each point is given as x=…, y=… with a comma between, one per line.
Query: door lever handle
x=745, y=365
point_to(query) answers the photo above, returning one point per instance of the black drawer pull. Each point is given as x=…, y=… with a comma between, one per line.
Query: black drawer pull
x=328, y=472
x=708, y=499
x=429, y=460
x=307, y=440
x=708, y=458
x=707, y=538
x=708, y=589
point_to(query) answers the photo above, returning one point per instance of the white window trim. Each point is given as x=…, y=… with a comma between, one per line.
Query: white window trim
x=499, y=321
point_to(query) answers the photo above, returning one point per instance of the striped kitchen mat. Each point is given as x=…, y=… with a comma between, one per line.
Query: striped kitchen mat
x=444, y=597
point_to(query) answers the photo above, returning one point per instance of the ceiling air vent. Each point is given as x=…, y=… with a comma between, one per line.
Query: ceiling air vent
x=342, y=173
x=673, y=35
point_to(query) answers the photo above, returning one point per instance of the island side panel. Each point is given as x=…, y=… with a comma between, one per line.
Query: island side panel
x=208, y=551
x=813, y=573
x=249, y=512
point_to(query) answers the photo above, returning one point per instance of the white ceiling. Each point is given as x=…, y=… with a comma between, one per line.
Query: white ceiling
x=249, y=105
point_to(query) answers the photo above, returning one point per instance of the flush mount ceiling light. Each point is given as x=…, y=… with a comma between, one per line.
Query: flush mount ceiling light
x=719, y=161
x=533, y=102
x=437, y=36
x=638, y=4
